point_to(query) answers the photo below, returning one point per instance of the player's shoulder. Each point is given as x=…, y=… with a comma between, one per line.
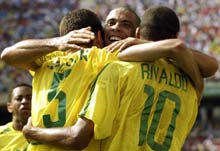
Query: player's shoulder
x=123, y=66
x=126, y=63
x=5, y=128
x=93, y=49
x=168, y=64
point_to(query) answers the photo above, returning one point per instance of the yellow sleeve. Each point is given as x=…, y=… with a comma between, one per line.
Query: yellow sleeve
x=103, y=102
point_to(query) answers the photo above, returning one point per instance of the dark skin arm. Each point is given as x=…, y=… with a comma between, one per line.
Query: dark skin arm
x=173, y=49
x=77, y=136
x=24, y=53
x=208, y=65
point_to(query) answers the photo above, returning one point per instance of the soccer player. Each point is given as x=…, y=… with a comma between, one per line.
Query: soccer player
x=64, y=86
x=84, y=129
x=123, y=23
x=120, y=23
x=146, y=106
x=19, y=104
x=61, y=80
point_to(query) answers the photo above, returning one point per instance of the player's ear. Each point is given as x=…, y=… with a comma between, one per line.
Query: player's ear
x=177, y=34
x=99, y=40
x=9, y=107
x=137, y=32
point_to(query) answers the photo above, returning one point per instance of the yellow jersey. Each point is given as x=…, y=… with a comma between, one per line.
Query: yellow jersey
x=11, y=139
x=61, y=86
x=141, y=107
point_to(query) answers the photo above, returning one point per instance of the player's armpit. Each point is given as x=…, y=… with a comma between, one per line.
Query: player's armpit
x=76, y=137
x=208, y=65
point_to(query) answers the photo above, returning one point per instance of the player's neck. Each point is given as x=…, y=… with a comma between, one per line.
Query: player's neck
x=17, y=124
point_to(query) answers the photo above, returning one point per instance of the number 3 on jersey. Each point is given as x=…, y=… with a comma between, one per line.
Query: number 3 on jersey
x=61, y=97
x=149, y=135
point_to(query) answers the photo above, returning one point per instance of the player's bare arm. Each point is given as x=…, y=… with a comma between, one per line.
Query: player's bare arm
x=24, y=53
x=173, y=49
x=125, y=43
x=77, y=136
x=208, y=65
x=155, y=50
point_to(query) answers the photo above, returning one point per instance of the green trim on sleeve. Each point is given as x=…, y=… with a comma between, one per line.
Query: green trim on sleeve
x=83, y=112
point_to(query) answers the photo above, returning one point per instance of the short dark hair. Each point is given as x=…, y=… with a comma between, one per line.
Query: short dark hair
x=80, y=18
x=16, y=86
x=159, y=23
x=128, y=8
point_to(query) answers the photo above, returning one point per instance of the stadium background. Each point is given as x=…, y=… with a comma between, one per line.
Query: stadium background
x=200, y=21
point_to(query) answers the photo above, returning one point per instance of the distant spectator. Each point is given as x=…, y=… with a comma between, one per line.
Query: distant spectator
x=19, y=104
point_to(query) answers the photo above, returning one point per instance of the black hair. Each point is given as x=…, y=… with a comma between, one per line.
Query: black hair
x=16, y=86
x=138, y=20
x=80, y=18
x=129, y=9
x=159, y=23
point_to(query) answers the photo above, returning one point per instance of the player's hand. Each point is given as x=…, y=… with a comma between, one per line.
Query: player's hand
x=71, y=41
x=26, y=129
x=125, y=43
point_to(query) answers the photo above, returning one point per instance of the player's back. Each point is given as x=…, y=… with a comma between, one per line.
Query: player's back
x=61, y=86
x=11, y=139
x=158, y=107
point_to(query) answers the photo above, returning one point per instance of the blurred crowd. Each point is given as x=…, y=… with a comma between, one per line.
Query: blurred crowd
x=205, y=136
x=200, y=143
x=200, y=26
